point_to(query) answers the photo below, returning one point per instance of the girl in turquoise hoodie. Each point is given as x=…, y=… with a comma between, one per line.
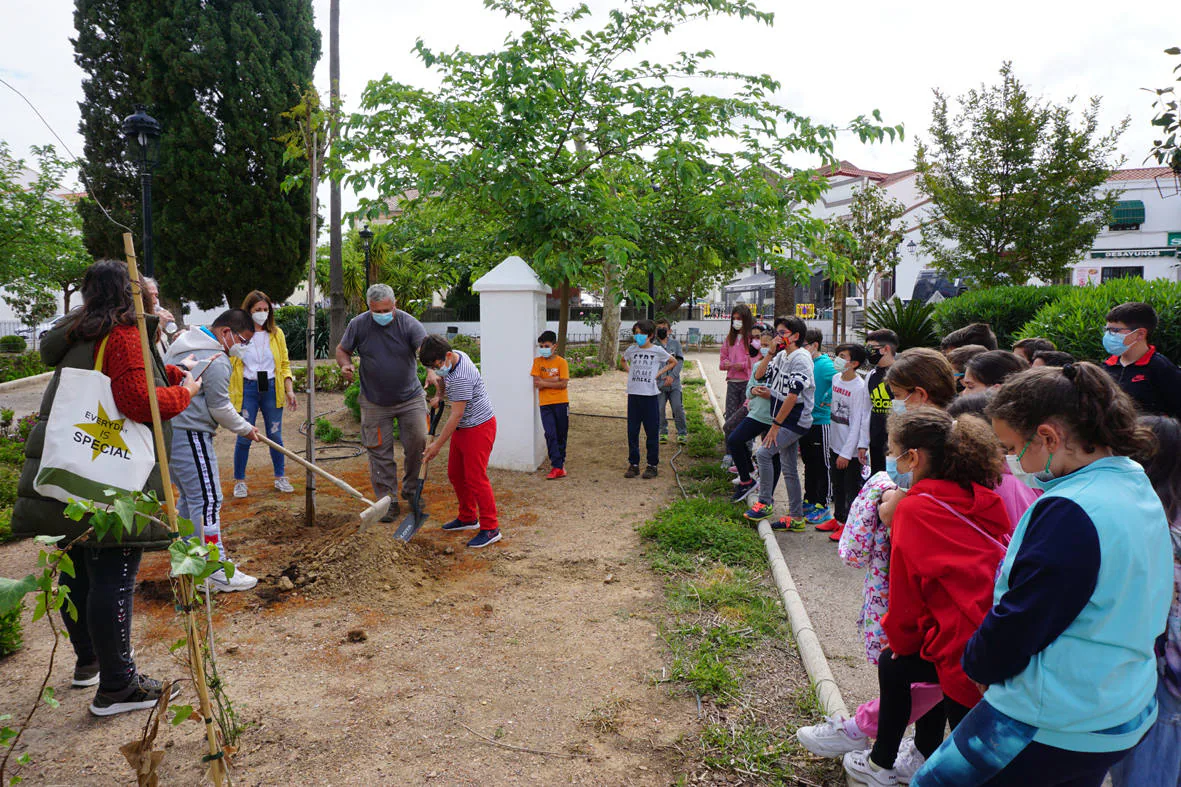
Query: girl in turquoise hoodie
x=1066, y=655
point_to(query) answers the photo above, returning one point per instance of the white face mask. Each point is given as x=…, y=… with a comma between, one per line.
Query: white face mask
x=839, y=364
x=260, y=318
x=737, y=324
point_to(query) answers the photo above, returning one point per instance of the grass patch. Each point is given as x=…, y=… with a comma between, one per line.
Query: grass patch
x=712, y=529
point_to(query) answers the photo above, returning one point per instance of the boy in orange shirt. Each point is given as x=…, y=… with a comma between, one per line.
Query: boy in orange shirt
x=551, y=374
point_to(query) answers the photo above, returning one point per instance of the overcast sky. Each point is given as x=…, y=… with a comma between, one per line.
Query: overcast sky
x=835, y=60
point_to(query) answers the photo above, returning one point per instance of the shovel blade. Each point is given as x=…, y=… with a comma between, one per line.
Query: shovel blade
x=413, y=521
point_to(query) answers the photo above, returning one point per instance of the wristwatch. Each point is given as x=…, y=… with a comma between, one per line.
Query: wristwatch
x=777, y=423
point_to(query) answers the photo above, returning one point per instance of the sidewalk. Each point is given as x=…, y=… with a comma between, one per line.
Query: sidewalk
x=23, y=396
x=831, y=591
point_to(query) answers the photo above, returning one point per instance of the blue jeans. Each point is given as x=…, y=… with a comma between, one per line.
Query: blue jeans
x=272, y=418
x=555, y=420
x=643, y=410
x=1156, y=760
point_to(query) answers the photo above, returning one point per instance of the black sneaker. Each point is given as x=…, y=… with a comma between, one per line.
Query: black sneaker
x=459, y=524
x=632, y=471
x=142, y=694
x=85, y=675
x=743, y=491
x=649, y=472
x=392, y=514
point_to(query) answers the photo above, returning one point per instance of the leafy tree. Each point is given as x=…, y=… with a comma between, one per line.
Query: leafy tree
x=1165, y=150
x=1012, y=181
x=559, y=137
x=41, y=249
x=870, y=243
x=217, y=75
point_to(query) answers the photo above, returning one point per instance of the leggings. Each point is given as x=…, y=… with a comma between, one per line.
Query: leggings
x=895, y=676
x=103, y=588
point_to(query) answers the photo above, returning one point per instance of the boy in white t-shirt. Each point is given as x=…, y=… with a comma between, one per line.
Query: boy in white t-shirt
x=645, y=362
x=849, y=435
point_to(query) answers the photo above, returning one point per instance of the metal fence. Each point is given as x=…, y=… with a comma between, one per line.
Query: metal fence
x=471, y=313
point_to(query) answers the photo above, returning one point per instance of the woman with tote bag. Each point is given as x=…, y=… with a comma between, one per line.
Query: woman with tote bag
x=104, y=330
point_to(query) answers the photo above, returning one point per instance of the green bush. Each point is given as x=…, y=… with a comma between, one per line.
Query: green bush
x=711, y=528
x=11, y=639
x=293, y=320
x=1006, y=309
x=911, y=321
x=329, y=378
x=5, y=525
x=326, y=432
x=12, y=344
x=584, y=360
x=17, y=367
x=1075, y=321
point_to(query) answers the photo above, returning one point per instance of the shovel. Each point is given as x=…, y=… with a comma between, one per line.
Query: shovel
x=374, y=512
x=417, y=516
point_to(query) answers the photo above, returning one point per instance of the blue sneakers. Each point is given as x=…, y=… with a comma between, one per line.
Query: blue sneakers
x=459, y=524
x=484, y=538
x=816, y=514
x=743, y=491
x=759, y=511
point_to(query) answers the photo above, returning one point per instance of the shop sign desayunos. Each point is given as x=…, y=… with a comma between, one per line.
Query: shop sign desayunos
x=1124, y=253
x=1174, y=239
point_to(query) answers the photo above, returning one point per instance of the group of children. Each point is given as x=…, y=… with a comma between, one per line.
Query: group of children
x=1016, y=523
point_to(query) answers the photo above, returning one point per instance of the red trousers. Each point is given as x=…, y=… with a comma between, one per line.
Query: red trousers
x=467, y=467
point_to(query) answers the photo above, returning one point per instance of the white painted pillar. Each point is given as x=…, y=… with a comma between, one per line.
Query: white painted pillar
x=512, y=316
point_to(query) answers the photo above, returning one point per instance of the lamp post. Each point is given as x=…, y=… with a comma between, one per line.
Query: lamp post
x=142, y=132
x=366, y=236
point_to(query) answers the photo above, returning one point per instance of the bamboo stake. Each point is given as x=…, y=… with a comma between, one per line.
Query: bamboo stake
x=310, y=482
x=192, y=630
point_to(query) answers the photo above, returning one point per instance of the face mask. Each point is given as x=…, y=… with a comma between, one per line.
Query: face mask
x=1114, y=343
x=756, y=343
x=545, y=352
x=764, y=350
x=641, y=338
x=901, y=479
x=662, y=333
x=236, y=351
x=384, y=318
x=839, y=364
x=260, y=318
x=1042, y=475
x=899, y=405
x=875, y=355
x=445, y=369
x=736, y=324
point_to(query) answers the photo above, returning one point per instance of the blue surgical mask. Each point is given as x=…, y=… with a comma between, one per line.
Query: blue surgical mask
x=899, y=405
x=384, y=318
x=641, y=338
x=445, y=369
x=901, y=479
x=545, y=352
x=1114, y=343
x=764, y=350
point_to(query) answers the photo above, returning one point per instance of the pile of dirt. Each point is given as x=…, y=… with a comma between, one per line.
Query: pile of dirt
x=362, y=565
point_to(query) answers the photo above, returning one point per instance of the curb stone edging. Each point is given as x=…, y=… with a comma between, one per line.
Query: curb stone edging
x=808, y=644
x=13, y=385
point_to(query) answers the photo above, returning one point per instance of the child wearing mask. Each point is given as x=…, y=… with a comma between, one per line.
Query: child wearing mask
x=670, y=384
x=736, y=360
x=1151, y=379
x=1066, y=655
x=815, y=446
x=881, y=347
x=850, y=434
x=646, y=362
x=551, y=375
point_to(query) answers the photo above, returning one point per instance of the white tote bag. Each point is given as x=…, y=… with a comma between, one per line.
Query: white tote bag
x=89, y=446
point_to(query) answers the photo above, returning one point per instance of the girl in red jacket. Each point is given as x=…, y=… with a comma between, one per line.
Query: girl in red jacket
x=948, y=537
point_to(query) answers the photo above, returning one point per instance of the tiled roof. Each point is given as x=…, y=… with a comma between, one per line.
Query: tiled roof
x=1140, y=173
x=847, y=169
x=894, y=177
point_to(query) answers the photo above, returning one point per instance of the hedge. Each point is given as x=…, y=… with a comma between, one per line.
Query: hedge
x=13, y=344
x=1075, y=321
x=1006, y=309
x=17, y=367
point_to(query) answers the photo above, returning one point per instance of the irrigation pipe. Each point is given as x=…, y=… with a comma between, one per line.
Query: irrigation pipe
x=808, y=644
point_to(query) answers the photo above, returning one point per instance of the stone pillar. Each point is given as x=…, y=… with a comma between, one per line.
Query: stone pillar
x=512, y=316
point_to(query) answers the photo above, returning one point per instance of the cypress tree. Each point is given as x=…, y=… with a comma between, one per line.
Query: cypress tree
x=216, y=74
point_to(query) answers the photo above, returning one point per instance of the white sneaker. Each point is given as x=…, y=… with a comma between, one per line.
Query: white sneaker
x=283, y=485
x=240, y=581
x=909, y=761
x=239, y=489
x=830, y=739
x=858, y=766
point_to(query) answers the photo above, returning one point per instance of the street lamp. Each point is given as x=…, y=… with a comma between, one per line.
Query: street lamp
x=142, y=132
x=366, y=236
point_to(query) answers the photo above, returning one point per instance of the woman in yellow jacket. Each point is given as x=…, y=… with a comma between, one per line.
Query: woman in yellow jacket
x=261, y=380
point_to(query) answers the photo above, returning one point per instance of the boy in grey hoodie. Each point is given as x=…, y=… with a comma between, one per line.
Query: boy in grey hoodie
x=206, y=351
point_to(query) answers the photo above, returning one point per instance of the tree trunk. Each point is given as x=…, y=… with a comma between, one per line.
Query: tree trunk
x=609, y=336
x=337, y=311
x=785, y=295
x=563, y=316
x=310, y=445
x=839, y=316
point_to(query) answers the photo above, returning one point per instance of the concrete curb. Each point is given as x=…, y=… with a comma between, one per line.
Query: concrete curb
x=812, y=654
x=14, y=385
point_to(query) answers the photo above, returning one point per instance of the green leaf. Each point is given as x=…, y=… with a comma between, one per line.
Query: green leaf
x=13, y=591
x=180, y=643
x=76, y=510
x=48, y=540
x=124, y=509
x=24, y=759
x=48, y=698
x=65, y=564
x=187, y=558
x=180, y=713
x=184, y=527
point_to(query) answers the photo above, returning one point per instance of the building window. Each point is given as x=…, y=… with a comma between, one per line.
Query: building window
x=1126, y=215
x=1122, y=272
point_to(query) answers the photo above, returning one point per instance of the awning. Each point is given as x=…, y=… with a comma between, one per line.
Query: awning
x=1129, y=211
x=752, y=282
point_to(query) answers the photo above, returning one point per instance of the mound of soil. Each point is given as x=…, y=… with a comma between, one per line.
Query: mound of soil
x=361, y=565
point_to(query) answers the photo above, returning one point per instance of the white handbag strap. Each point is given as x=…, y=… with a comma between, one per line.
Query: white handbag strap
x=1002, y=546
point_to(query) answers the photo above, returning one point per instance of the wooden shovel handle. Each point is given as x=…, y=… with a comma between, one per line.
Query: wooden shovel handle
x=314, y=468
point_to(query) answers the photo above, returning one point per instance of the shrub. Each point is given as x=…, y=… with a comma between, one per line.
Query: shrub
x=12, y=452
x=25, y=425
x=584, y=360
x=352, y=399
x=1075, y=321
x=12, y=344
x=11, y=639
x=326, y=432
x=911, y=321
x=711, y=528
x=329, y=378
x=1006, y=309
x=17, y=367
x=293, y=320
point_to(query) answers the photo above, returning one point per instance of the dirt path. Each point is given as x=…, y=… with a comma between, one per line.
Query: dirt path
x=523, y=642
x=832, y=591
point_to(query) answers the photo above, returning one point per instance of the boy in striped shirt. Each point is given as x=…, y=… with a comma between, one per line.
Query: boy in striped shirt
x=471, y=428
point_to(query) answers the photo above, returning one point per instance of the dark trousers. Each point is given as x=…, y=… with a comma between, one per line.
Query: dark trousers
x=555, y=420
x=1046, y=765
x=877, y=457
x=736, y=445
x=895, y=674
x=845, y=486
x=735, y=396
x=102, y=589
x=643, y=410
x=814, y=451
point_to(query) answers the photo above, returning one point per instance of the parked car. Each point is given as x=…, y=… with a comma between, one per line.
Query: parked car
x=930, y=282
